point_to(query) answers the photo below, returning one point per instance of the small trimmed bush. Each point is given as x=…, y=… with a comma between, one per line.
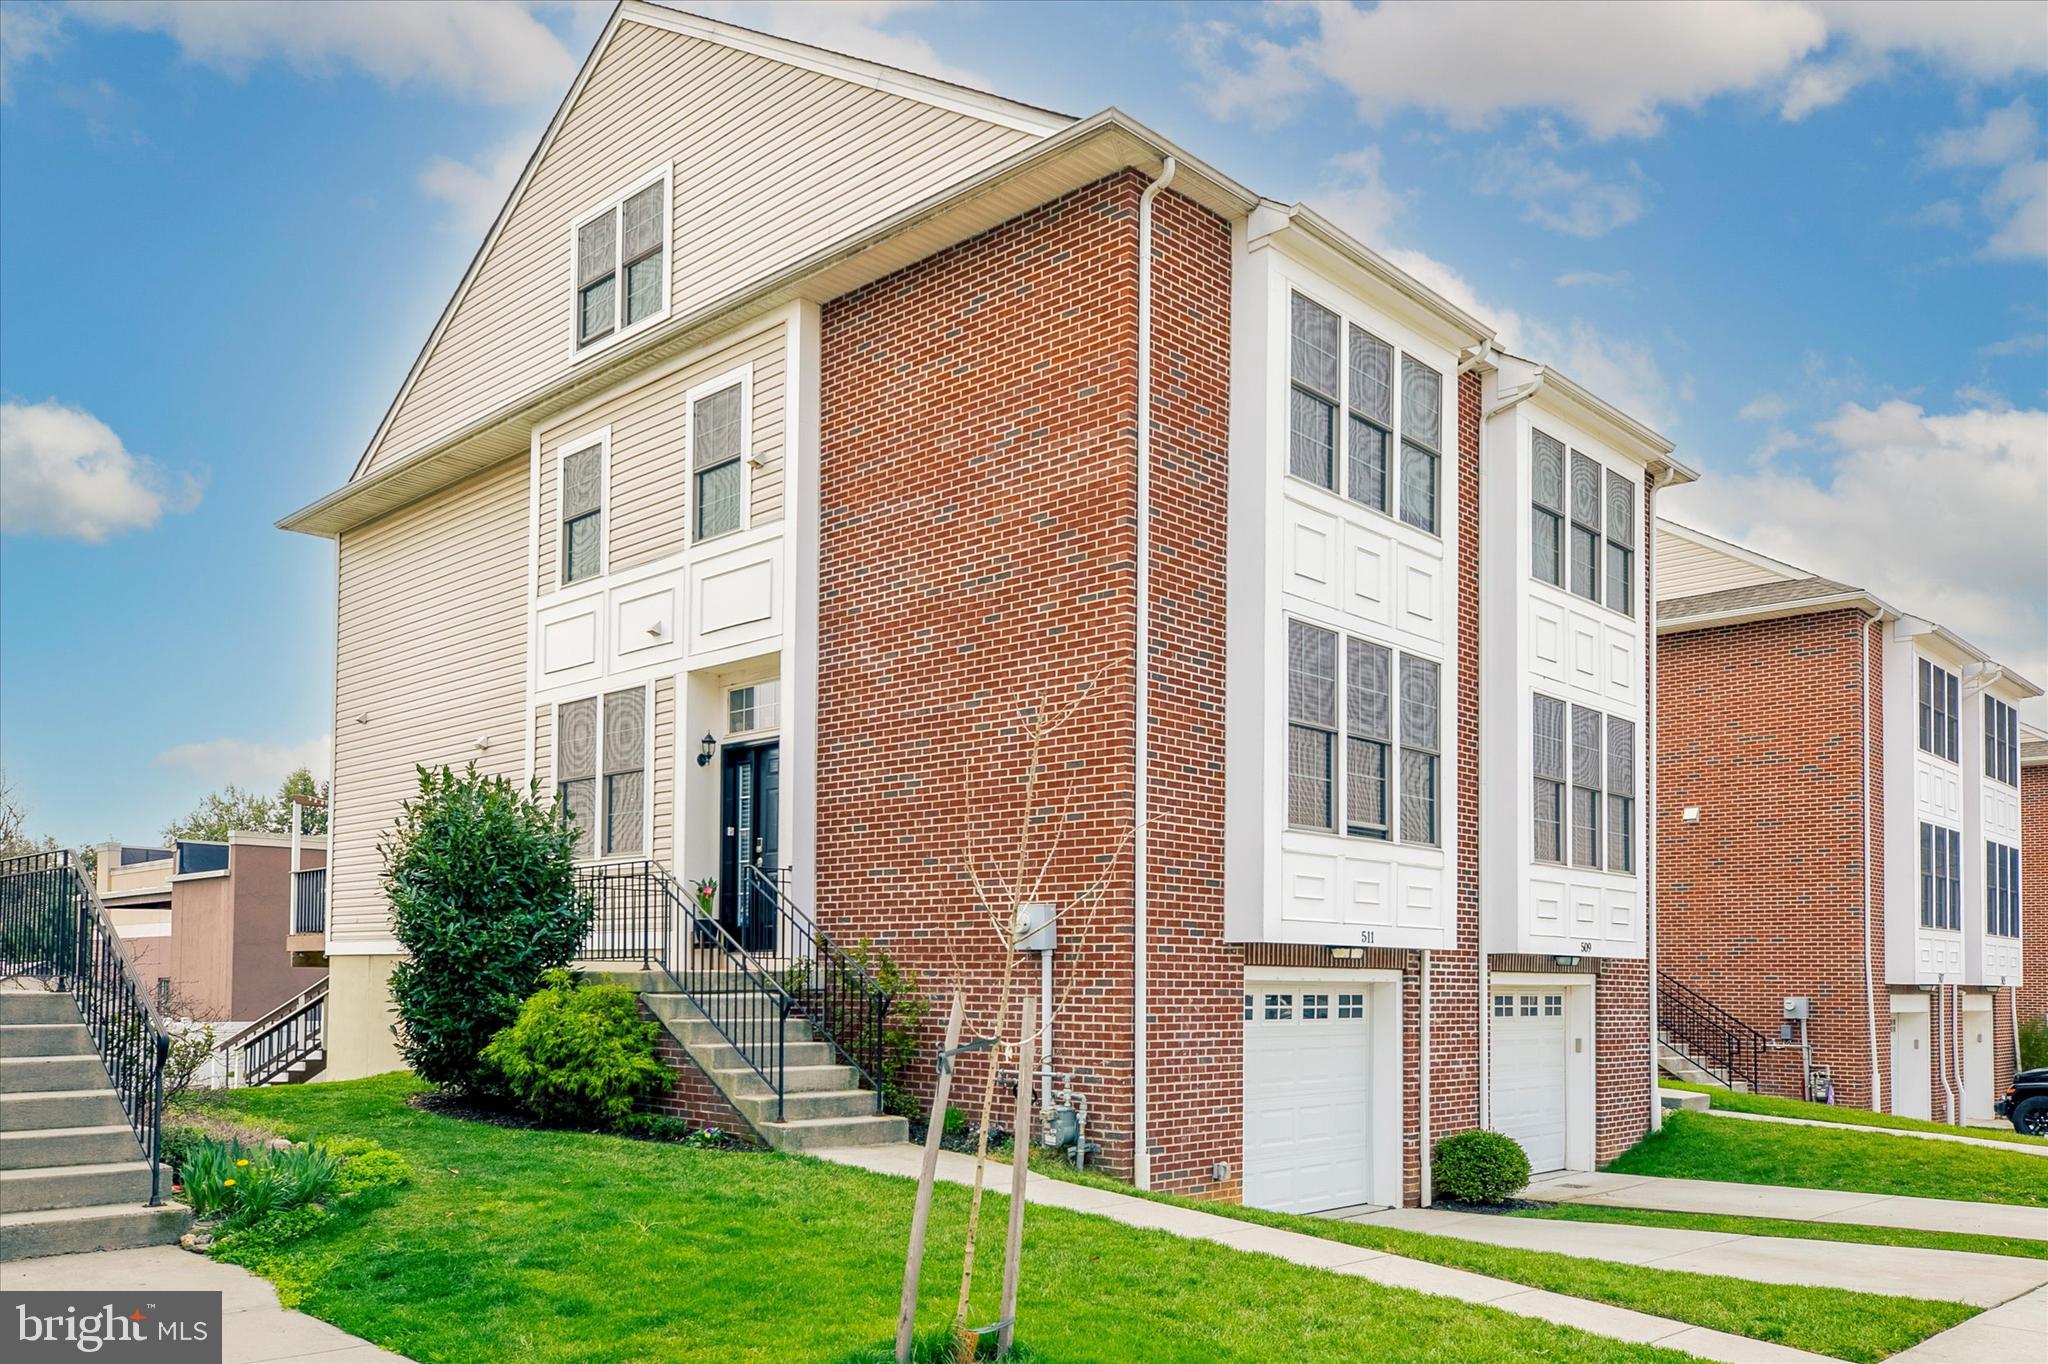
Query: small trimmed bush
x=2034, y=1043
x=376, y=1168
x=579, y=1055
x=1478, y=1167
x=482, y=880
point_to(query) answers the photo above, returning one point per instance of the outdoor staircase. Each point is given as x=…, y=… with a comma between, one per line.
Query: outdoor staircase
x=1700, y=1042
x=288, y=1045
x=1674, y=1060
x=73, y=1176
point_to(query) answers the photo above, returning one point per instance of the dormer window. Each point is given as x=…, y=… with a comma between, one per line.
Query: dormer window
x=621, y=263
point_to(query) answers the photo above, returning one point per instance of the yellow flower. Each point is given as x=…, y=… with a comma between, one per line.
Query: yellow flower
x=242, y=1162
x=227, y=1181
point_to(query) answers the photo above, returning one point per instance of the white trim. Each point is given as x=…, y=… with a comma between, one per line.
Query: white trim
x=614, y=204
x=1372, y=975
x=959, y=99
x=217, y=874
x=576, y=445
x=743, y=375
x=1521, y=980
x=386, y=946
x=645, y=686
x=532, y=590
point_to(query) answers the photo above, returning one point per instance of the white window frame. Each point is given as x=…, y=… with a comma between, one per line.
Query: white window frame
x=598, y=856
x=563, y=449
x=743, y=375
x=2001, y=883
x=1445, y=451
x=1339, y=825
x=2002, y=758
x=758, y=728
x=612, y=204
x=1944, y=722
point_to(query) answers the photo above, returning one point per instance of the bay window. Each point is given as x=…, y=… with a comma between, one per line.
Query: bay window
x=1547, y=749
x=1547, y=510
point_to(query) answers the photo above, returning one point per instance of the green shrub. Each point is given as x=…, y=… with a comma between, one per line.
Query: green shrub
x=303, y=1174
x=174, y=1144
x=579, y=1055
x=907, y=1010
x=375, y=1168
x=1478, y=1167
x=272, y=1232
x=653, y=1127
x=482, y=882
x=2034, y=1042
x=209, y=1174
x=244, y=1185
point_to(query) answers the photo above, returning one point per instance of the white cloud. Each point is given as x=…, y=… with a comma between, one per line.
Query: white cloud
x=2004, y=135
x=1764, y=407
x=498, y=53
x=2018, y=203
x=1940, y=213
x=1940, y=514
x=862, y=28
x=1976, y=40
x=1356, y=198
x=65, y=473
x=27, y=33
x=1594, y=279
x=1573, y=202
x=252, y=766
x=475, y=193
x=2016, y=345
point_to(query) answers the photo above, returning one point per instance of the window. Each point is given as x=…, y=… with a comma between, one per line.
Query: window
x=1422, y=438
x=582, y=539
x=1621, y=794
x=1247, y=1008
x=1547, y=753
x=1351, y=1006
x=1368, y=735
x=2001, y=742
x=1371, y=430
x=1530, y=1008
x=1279, y=1007
x=2001, y=890
x=1553, y=1006
x=1311, y=723
x=1503, y=1006
x=1940, y=712
x=627, y=239
x=1941, y=877
x=1585, y=532
x=1586, y=756
x=1546, y=511
x=601, y=771
x=1421, y=726
x=751, y=707
x=1315, y=1006
x=1621, y=544
x=717, y=441
x=1312, y=406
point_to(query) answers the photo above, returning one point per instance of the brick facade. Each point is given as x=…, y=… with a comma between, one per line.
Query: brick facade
x=691, y=1095
x=2033, y=991
x=1760, y=725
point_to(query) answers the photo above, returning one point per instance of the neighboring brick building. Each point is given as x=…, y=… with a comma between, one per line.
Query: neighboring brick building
x=851, y=480
x=2033, y=997
x=1838, y=815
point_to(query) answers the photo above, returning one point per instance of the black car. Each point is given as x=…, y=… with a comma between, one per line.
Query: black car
x=2026, y=1102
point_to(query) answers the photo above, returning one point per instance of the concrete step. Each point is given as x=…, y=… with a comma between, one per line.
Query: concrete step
x=1683, y=1098
x=1675, y=1061
x=829, y=1103
x=33, y=1109
x=722, y=1056
x=101, y=1144
x=41, y=1074
x=37, y=1006
x=76, y=1186
x=795, y=1080
x=75, y=1231
x=815, y=1133
x=44, y=1039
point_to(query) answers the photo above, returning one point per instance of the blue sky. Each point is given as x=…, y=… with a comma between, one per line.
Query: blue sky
x=1807, y=240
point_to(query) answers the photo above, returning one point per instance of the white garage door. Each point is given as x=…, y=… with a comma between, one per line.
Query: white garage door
x=1912, y=1086
x=1528, y=1073
x=1980, y=1087
x=1307, y=1096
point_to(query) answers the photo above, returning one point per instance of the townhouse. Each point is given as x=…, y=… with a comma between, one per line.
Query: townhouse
x=1840, y=852
x=803, y=427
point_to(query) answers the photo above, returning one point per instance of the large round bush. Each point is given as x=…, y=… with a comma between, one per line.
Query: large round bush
x=1478, y=1167
x=579, y=1055
x=482, y=881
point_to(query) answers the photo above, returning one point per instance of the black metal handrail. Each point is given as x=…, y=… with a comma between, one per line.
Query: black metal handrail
x=1714, y=1039
x=309, y=900
x=54, y=929
x=291, y=1037
x=839, y=996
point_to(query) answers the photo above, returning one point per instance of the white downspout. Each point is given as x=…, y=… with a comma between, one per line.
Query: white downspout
x=1869, y=976
x=1423, y=1058
x=1650, y=782
x=1942, y=1041
x=1141, y=1156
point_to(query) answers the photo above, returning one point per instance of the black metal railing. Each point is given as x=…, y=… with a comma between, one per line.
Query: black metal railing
x=641, y=914
x=309, y=900
x=285, y=1036
x=54, y=930
x=1712, y=1038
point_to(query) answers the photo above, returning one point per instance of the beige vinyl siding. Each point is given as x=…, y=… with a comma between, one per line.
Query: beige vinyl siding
x=430, y=658
x=1687, y=569
x=771, y=162
x=663, y=785
x=647, y=504
x=544, y=750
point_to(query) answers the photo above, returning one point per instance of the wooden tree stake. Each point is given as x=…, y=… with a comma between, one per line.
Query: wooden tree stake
x=935, y=1131
x=1020, y=1167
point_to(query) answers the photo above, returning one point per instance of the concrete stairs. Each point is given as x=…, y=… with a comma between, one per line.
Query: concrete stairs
x=1675, y=1060
x=73, y=1178
x=823, y=1100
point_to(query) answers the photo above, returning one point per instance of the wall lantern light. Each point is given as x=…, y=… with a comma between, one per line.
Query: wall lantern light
x=705, y=748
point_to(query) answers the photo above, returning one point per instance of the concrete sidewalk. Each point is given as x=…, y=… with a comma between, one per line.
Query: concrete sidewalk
x=1799, y=1205
x=255, y=1329
x=1950, y=1276
x=1988, y=1143
x=2004, y=1335
x=1317, y=1252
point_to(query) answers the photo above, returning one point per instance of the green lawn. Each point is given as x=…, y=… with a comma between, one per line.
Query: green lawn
x=1701, y=1146
x=1829, y=1321
x=1736, y=1102
x=557, y=1246
x=2017, y=1246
